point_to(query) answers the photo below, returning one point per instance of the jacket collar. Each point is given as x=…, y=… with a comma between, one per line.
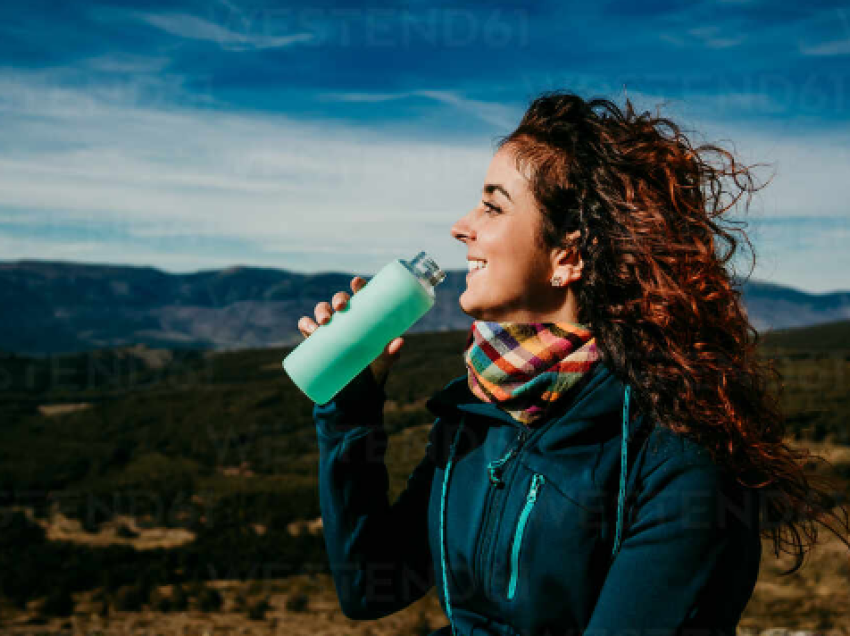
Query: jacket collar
x=596, y=400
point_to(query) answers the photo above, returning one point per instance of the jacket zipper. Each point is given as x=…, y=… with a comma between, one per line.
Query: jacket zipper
x=536, y=484
x=494, y=472
x=497, y=466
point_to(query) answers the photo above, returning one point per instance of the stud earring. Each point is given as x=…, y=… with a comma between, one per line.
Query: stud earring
x=556, y=281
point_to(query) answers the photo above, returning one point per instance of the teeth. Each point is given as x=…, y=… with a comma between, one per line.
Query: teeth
x=476, y=265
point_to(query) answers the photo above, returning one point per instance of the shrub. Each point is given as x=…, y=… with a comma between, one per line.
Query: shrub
x=240, y=602
x=298, y=601
x=179, y=600
x=100, y=599
x=257, y=609
x=256, y=586
x=58, y=603
x=160, y=602
x=420, y=627
x=163, y=604
x=89, y=525
x=125, y=532
x=19, y=532
x=209, y=599
x=128, y=598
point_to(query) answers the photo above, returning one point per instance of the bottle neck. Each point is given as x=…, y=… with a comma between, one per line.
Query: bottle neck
x=426, y=270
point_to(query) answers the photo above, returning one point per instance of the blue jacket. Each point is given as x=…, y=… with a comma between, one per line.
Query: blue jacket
x=518, y=528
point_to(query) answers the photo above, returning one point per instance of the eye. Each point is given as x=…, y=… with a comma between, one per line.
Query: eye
x=490, y=208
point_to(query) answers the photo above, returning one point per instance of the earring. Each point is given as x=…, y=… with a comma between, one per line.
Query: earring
x=556, y=281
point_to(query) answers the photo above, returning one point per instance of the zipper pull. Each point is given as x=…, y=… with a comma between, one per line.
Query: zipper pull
x=496, y=467
x=535, y=487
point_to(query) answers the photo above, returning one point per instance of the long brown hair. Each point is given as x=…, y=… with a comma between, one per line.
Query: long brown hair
x=659, y=291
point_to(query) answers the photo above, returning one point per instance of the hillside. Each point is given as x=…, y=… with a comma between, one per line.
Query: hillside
x=56, y=307
x=126, y=470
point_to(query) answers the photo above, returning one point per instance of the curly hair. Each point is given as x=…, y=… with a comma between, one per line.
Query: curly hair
x=658, y=291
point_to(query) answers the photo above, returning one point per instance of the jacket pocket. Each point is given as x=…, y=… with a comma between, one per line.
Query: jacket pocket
x=536, y=483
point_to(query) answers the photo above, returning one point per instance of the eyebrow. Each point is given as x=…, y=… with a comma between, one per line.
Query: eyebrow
x=490, y=188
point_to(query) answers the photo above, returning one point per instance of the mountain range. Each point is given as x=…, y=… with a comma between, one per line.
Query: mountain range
x=50, y=307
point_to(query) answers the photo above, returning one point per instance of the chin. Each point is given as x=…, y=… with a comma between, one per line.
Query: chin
x=472, y=312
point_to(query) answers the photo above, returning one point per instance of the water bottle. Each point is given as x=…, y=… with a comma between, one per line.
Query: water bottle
x=386, y=307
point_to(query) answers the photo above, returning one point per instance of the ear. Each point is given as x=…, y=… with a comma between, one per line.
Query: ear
x=566, y=261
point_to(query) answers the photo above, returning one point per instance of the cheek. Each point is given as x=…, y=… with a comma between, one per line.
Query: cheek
x=521, y=261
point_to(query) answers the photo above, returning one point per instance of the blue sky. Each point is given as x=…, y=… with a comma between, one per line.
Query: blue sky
x=336, y=136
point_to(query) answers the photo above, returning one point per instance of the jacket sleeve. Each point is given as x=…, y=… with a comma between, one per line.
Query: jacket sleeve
x=379, y=553
x=689, y=558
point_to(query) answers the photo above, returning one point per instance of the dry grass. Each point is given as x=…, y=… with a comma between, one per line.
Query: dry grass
x=322, y=618
x=52, y=410
x=835, y=454
x=812, y=601
x=60, y=528
x=815, y=598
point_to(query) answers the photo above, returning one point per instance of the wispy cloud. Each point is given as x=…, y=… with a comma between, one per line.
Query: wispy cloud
x=276, y=183
x=366, y=98
x=129, y=123
x=500, y=115
x=285, y=192
x=837, y=47
x=714, y=37
x=127, y=63
x=840, y=46
x=493, y=113
x=195, y=28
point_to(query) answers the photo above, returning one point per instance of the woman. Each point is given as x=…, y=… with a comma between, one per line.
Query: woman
x=612, y=456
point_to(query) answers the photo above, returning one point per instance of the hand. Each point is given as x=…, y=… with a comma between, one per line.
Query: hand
x=381, y=365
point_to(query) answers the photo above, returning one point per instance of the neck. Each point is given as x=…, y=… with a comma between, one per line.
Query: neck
x=559, y=306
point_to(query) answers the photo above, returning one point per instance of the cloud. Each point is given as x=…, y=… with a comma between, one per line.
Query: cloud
x=836, y=47
x=127, y=63
x=102, y=252
x=714, y=37
x=195, y=28
x=184, y=188
x=271, y=181
x=499, y=115
x=831, y=48
x=365, y=98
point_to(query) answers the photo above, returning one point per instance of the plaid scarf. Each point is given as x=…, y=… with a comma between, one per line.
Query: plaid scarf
x=525, y=367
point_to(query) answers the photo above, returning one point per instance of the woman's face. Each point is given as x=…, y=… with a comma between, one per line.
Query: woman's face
x=514, y=285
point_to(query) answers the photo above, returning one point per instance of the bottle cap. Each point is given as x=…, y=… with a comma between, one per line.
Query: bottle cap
x=426, y=268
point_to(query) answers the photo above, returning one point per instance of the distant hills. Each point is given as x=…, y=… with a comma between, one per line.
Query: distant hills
x=49, y=307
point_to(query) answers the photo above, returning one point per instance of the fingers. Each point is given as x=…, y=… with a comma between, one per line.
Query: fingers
x=306, y=325
x=340, y=300
x=394, y=347
x=357, y=283
x=324, y=310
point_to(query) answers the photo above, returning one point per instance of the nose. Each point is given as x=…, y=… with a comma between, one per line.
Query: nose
x=462, y=230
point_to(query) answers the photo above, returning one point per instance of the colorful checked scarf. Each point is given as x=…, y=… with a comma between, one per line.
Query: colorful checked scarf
x=524, y=367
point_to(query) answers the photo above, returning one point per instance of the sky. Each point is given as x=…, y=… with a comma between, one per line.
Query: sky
x=332, y=136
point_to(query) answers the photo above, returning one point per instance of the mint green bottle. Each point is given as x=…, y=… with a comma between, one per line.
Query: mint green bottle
x=386, y=307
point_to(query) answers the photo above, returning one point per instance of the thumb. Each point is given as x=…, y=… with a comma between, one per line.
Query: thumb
x=381, y=366
x=394, y=348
